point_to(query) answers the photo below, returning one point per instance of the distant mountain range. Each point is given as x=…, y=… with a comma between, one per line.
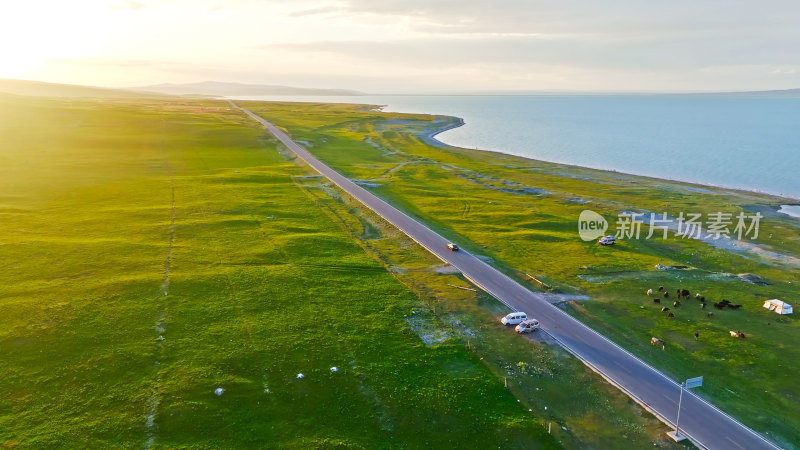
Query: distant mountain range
x=220, y=89
x=42, y=89
x=216, y=88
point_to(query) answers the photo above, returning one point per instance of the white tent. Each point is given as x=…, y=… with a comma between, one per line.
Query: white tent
x=778, y=306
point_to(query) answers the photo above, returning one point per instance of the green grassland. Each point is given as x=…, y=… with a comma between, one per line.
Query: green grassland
x=153, y=251
x=523, y=215
x=580, y=408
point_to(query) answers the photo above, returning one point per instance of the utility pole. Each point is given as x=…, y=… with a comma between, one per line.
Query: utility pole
x=678, y=419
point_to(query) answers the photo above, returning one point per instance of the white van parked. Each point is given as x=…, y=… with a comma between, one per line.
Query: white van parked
x=514, y=318
x=607, y=240
x=526, y=326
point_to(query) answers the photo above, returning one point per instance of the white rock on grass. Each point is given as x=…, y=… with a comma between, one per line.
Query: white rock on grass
x=334, y=369
x=219, y=391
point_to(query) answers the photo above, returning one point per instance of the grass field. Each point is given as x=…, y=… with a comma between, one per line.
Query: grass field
x=523, y=215
x=581, y=410
x=154, y=251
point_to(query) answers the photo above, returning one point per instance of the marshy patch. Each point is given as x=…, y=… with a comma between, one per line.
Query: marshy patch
x=663, y=267
x=426, y=326
x=580, y=201
x=655, y=275
x=446, y=270
x=559, y=299
x=506, y=186
x=369, y=230
x=752, y=279
x=524, y=191
x=397, y=269
x=366, y=183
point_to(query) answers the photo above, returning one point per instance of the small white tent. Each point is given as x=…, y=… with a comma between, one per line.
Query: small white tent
x=778, y=306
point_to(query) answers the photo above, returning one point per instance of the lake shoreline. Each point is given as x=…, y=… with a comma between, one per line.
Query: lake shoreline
x=737, y=144
x=430, y=135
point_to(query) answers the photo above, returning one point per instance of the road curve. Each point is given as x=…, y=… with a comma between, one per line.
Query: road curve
x=704, y=424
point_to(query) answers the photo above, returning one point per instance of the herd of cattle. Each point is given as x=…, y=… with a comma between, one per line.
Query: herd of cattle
x=685, y=294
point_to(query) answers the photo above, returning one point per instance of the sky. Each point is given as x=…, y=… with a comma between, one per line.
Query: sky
x=408, y=46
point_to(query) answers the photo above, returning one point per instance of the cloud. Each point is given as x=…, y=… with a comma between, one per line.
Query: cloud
x=654, y=52
x=621, y=34
x=320, y=10
x=585, y=16
x=458, y=44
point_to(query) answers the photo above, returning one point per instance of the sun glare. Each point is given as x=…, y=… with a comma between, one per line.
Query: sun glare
x=34, y=32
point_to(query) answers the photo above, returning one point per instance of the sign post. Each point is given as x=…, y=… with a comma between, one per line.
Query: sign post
x=688, y=384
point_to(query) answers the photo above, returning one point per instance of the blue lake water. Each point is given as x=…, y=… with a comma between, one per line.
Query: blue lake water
x=739, y=142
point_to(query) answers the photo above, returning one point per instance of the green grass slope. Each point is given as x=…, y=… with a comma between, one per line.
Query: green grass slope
x=152, y=252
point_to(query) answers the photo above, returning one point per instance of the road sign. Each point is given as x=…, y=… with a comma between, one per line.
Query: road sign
x=694, y=382
x=688, y=384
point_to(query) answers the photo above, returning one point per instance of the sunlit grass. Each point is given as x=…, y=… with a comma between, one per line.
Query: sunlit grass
x=98, y=199
x=462, y=194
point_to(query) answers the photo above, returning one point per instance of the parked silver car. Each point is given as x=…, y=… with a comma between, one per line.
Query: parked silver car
x=526, y=326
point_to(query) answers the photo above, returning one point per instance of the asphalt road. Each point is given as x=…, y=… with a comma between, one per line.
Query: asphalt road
x=704, y=424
